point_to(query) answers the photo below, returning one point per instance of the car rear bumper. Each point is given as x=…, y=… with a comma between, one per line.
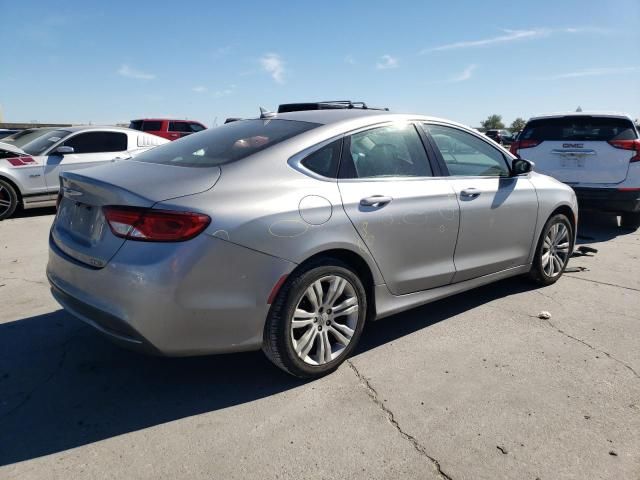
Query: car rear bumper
x=608, y=199
x=203, y=296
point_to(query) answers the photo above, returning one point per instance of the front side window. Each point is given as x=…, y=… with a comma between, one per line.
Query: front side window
x=95, y=142
x=227, y=143
x=324, y=161
x=390, y=151
x=196, y=127
x=467, y=155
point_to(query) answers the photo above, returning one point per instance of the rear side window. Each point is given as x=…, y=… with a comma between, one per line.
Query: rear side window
x=94, y=142
x=325, y=160
x=152, y=126
x=392, y=151
x=227, y=143
x=583, y=128
x=179, y=127
x=136, y=125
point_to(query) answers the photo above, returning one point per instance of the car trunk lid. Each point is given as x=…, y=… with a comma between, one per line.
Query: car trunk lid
x=575, y=149
x=80, y=229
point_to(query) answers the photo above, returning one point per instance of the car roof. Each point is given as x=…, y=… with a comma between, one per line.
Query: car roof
x=163, y=119
x=78, y=128
x=356, y=117
x=582, y=114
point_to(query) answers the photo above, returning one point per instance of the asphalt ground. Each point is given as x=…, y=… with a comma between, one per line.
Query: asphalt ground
x=475, y=386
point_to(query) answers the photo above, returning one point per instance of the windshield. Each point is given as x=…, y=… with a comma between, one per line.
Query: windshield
x=582, y=128
x=224, y=144
x=35, y=141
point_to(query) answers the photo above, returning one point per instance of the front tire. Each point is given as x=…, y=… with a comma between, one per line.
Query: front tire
x=316, y=320
x=630, y=220
x=553, y=250
x=8, y=200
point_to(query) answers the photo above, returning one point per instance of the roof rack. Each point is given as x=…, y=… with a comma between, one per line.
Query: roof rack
x=326, y=105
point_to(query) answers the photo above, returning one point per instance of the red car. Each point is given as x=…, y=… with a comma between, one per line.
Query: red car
x=167, y=128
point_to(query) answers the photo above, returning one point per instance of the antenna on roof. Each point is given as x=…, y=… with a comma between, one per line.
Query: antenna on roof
x=264, y=113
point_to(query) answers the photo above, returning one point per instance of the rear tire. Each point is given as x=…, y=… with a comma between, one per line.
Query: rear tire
x=630, y=220
x=8, y=200
x=316, y=319
x=553, y=251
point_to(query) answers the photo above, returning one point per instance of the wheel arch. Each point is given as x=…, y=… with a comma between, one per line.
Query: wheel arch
x=353, y=260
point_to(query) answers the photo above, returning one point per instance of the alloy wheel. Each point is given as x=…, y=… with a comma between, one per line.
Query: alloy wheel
x=5, y=200
x=555, y=249
x=324, y=320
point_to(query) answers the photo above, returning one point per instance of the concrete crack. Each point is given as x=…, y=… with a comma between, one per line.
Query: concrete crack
x=604, y=283
x=627, y=366
x=38, y=282
x=373, y=395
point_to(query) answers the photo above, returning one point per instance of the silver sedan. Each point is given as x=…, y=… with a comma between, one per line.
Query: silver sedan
x=288, y=233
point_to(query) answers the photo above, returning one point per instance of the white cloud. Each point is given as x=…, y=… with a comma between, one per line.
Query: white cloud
x=199, y=89
x=514, y=36
x=386, y=62
x=129, y=72
x=273, y=64
x=509, y=36
x=224, y=92
x=466, y=74
x=592, y=72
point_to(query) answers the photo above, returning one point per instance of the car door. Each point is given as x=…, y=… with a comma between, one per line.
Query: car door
x=90, y=149
x=406, y=217
x=498, y=212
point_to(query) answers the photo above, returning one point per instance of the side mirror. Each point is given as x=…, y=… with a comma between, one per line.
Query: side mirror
x=520, y=166
x=64, y=150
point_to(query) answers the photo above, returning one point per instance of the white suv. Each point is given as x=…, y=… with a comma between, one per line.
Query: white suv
x=596, y=154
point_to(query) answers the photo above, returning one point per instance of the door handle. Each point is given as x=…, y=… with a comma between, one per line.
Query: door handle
x=375, y=201
x=470, y=192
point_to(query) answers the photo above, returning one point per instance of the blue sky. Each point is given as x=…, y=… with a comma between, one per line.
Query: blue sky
x=113, y=61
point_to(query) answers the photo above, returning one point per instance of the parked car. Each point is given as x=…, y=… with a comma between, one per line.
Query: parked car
x=597, y=154
x=501, y=136
x=167, y=128
x=289, y=232
x=31, y=160
x=5, y=132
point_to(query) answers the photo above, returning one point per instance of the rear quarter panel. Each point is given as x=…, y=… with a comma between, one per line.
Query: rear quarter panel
x=264, y=204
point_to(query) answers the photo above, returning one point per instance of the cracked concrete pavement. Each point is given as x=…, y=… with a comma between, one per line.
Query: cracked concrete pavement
x=471, y=387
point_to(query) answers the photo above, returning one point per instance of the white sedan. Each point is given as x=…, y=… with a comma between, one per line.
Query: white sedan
x=32, y=160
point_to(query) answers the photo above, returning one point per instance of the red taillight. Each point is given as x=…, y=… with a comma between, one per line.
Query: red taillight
x=520, y=144
x=633, y=145
x=21, y=161
x=147, y=225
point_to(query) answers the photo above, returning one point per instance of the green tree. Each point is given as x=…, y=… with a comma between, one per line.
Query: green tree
x=517, y=125
x=492, y=121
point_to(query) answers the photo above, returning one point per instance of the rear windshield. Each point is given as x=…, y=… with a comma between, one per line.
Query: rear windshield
x=579, y=128
x=224, y=144
x=35, y=142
